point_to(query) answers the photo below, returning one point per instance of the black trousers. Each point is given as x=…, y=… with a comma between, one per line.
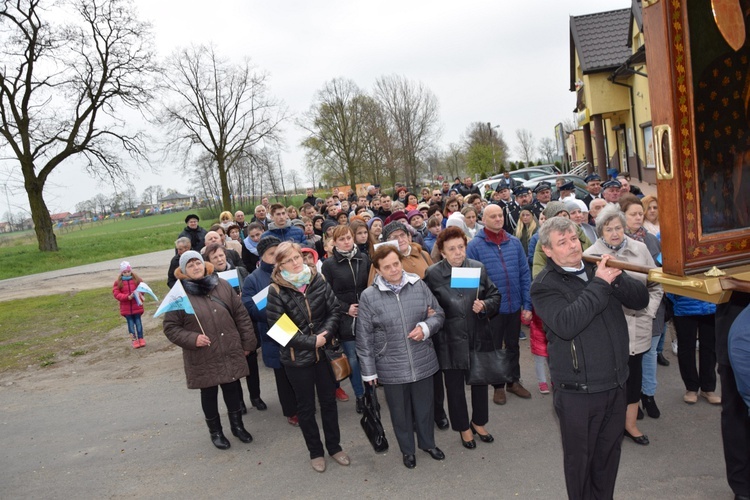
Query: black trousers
x=735, y=433
x=438, y=394
x=209, y=398
x=411, y=406
x=506, y=329
x=704, y=328
x=635, y=379
x=253, y=379
x=591, y=427
x=455, y=387
x=285, y=392
x=305, y=381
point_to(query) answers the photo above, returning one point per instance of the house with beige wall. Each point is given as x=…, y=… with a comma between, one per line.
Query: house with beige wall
x=608, y=75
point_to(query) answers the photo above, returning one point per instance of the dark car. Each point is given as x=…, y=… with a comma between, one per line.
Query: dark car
x=579, y=183
x=521, y=175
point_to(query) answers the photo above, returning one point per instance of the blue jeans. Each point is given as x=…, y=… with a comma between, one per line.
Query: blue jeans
x=660, y=347
x=648, y=384
x=350, y=349
x=134, y=325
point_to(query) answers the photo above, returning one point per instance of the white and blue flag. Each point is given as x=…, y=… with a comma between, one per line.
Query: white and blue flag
x=261, y=298
x=231, y=276
x=175, y=300
x=465, y=277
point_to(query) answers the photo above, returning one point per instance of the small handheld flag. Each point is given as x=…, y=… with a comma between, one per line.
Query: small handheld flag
x=231, y=276
x=465, y=277
x=175, y=300
x=283, y=330
x=261, y=298
x=143, y=288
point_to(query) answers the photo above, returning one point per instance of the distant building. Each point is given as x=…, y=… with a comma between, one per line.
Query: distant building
x=176, y=201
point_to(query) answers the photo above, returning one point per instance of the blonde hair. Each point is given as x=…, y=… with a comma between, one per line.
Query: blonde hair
x=532, y=224
x=226, y=216
x=285, y=250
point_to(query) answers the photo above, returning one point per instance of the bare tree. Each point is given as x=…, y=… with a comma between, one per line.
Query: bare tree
x=60, y=87
x=526, y=145
x=413, y=111
x=547, y=149
x=335, y=124
x=223, y=109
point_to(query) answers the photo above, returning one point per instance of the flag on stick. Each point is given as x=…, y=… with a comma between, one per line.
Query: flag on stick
x=465, y=277
x=261, y=298
x=175, y=300
x=283, y=330
x=143, y=288
x=231, y=276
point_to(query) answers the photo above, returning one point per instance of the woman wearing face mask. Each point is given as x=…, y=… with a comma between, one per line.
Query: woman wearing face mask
x=467, y=314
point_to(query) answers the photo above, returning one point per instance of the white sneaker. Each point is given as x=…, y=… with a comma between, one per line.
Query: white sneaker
x=674, y=347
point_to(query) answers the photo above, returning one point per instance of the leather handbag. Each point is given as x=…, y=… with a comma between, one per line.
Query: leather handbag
x=371, y=423
x=339, y=363
x=490, y=366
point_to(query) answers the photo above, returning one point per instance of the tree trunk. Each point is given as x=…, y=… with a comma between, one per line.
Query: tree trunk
x=226, y=202
x=45, y=236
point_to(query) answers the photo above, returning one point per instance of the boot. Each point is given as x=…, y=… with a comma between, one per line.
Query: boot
x=217, y=436
x=649, y=404
x=243, y=408
x=238, y=429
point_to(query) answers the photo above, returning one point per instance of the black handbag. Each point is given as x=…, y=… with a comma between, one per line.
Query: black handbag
x=489, y=367
x=371, y=421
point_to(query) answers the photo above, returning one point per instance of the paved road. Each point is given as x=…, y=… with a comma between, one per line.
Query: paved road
x=128, y=427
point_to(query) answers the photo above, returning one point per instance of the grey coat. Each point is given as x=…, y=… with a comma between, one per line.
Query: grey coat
x=383, y=324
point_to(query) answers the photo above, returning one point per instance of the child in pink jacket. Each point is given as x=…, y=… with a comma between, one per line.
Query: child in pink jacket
x=131, y=302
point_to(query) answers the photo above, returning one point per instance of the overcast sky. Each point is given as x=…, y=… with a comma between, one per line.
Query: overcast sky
x=501, y=62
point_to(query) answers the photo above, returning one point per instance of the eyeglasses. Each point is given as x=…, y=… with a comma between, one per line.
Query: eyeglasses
x=437, y=194
x=296, y=258
x=398, y=236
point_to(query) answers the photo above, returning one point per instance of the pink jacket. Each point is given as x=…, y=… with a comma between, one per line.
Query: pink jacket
x=127, y=306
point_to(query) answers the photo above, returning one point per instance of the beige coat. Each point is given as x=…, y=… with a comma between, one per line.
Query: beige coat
x=640, y=323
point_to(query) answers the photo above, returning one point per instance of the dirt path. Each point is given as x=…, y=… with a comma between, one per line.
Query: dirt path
x=150, y=266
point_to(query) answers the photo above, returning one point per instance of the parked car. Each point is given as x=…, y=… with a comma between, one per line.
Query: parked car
x=520, y=175
x=578, y=181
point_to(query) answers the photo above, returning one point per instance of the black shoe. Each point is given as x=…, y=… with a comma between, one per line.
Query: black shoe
x=486, y=438
x=360, y=407
x=442, y=423
x=470, y=444
x=238, y=428
x=410, y=461
x=640, y=413
x=243, y=408
x=217, y=436
x=649, y=404
x=259, y=404
x=662, y=360
x=642, y=439
x=436, y=453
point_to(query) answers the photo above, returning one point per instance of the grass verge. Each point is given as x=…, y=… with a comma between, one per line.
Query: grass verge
x=42, y=331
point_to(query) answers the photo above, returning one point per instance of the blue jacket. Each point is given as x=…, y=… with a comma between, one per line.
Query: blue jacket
x=738, y=343
x=532, y=248
x=507, y=268
x=685, y=306
x=429, y=242
x=286, y=233
x=254, y=283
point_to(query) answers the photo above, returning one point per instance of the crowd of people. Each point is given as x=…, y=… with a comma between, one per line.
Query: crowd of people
x=372, y=273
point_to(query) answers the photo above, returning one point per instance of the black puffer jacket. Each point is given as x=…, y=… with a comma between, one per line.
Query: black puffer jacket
x=348, y=279
x=462, y=326
x=314, y=312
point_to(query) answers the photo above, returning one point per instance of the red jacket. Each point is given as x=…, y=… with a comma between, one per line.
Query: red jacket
x=127, y=306
x=538, y=337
